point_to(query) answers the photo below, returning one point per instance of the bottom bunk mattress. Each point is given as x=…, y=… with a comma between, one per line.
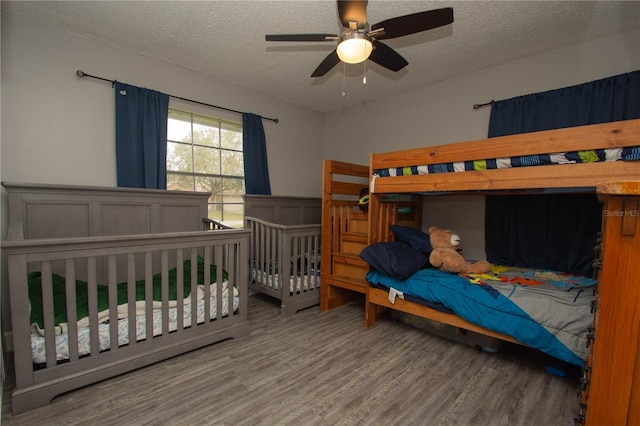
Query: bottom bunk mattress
x=170, y=310
x=546, y=310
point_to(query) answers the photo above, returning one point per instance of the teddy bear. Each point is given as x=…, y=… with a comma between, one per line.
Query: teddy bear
x=445, y=256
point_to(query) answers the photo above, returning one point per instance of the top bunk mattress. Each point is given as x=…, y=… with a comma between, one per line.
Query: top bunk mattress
x=588, y=156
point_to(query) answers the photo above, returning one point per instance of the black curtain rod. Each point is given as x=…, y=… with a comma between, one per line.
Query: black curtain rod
x=476, y=106
x=80, y=73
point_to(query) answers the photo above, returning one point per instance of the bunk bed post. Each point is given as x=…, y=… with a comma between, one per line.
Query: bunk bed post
x=326, y=233
x=374, y=208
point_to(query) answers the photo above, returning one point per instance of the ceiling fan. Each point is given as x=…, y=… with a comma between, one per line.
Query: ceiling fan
x=358, y=42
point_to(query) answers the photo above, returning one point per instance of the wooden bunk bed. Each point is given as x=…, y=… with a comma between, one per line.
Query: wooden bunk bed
x=391, y=174
x=614, y=135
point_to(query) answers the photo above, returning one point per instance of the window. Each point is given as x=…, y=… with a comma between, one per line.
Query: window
x=205, y=154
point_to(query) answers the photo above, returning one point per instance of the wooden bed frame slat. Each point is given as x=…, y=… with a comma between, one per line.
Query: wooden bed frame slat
x=377, y=297
x=552, y=176
x=606, y=135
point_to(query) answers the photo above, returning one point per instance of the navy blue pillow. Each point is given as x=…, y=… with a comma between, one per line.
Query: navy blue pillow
x=394, y=258
x=413, y=237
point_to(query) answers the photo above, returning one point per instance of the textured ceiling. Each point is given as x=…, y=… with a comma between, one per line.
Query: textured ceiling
x=225, y=39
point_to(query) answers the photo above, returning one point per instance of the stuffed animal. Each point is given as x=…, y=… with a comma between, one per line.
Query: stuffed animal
x=445, y=256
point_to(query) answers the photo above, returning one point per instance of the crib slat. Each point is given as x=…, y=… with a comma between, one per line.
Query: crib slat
x=72, y=312
x=206, y=285
x=281, y=261
x=164, y=285
x=180, y=289
x=231, y=259
x=131, y=298
x=112, y=282
x=219, y=267
x=148, y=295
x=92, y=293
x=194, y=287
x=48, y=314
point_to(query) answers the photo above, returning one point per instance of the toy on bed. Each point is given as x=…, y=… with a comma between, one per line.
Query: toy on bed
x=446, y=257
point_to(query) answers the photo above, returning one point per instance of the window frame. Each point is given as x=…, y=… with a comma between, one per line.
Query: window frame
x=218, y=207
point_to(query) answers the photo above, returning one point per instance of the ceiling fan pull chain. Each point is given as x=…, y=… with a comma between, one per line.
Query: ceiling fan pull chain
x=364, y=74
x=344, y=77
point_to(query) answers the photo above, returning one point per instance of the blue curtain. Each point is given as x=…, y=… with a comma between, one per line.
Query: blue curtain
x=254, y=147
x=554, y=231
x=141, y=137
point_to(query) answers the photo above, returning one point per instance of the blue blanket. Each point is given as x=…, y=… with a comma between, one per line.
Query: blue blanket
x=550, y=319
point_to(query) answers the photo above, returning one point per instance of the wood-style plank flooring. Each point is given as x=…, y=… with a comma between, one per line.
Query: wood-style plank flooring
x=323, y=369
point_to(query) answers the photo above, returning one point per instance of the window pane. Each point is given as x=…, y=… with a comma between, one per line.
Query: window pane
x=233, y=190
x=207, y=160
x=233, y=215
x=179, y=157
x=231, y=135
x=179, y=129
x=210, y=184
x=179, y=182
x=232, y=164
x=215, y=211
x=206, y=132
x=196, y=161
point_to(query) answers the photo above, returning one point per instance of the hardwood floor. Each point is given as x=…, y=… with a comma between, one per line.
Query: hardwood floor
x=323, y=369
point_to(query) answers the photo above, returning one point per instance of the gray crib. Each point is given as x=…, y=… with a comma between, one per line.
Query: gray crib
x=284, y=249
x=74, y=254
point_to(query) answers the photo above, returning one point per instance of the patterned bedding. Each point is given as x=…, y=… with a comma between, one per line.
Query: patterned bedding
x=589, y=156
x=546, y=310
x=62, y=340
x=300, y=283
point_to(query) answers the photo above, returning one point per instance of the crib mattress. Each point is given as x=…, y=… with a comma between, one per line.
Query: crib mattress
x=62, y=340
x=589, y=156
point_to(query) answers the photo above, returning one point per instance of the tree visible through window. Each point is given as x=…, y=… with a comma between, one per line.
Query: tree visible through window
x=205, y=154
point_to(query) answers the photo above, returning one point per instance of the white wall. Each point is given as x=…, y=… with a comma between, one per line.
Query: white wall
x=443, y=113
x=59, y=128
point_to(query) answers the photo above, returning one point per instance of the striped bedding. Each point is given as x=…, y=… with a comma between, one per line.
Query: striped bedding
x=38, y=343
x=589, y=156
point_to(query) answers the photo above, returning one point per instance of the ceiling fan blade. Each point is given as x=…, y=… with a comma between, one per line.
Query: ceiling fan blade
x=325, y=66
x=414, y=23
x=353, y=11
x=387, y=57
x=301, y=37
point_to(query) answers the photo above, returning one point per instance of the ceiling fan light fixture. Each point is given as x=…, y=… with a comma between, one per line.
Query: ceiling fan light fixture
x=354, y=47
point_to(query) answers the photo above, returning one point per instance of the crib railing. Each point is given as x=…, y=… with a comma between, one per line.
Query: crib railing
x=284, y=260
x=105, y=265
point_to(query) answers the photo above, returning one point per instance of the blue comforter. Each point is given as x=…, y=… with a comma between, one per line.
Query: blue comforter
x=551, y=319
